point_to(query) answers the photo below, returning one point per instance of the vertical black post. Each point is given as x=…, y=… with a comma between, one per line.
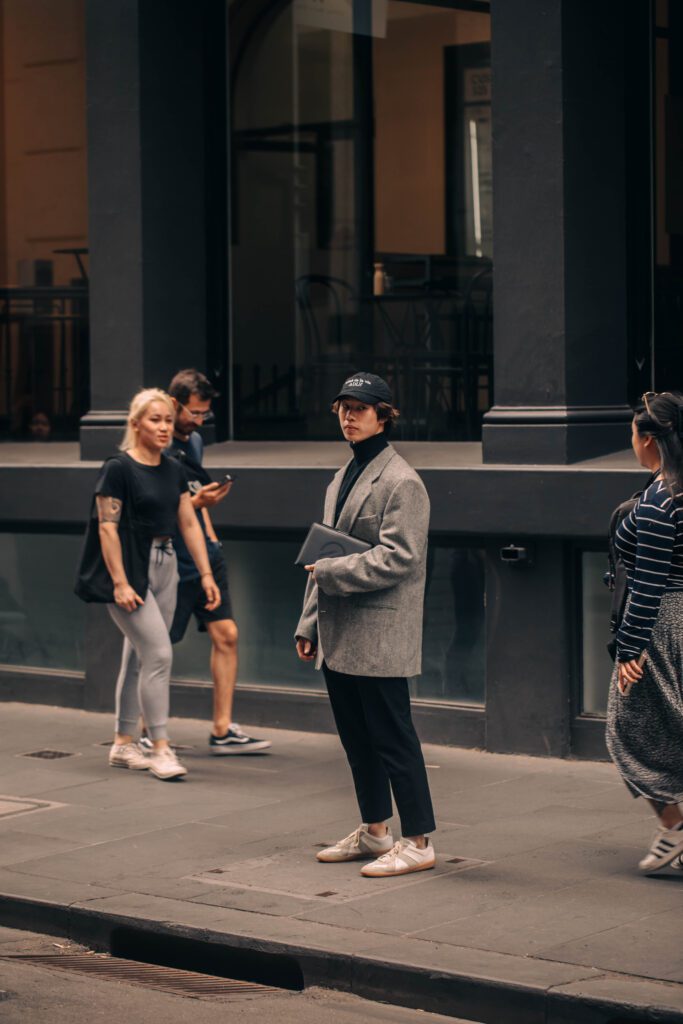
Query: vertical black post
x=364, y=177
x=568, y=244
x=115, y=213
x=528, y=664
x=638, y=162
x=560, y=280
x=145, y=97
x=148, y=242
x=216, y=162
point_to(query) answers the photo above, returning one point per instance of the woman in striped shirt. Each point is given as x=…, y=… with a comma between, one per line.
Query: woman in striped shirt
x=645, y=708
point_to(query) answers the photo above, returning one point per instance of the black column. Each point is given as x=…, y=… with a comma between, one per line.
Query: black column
x=528, y=651
x=560, y=269
x=146, y=147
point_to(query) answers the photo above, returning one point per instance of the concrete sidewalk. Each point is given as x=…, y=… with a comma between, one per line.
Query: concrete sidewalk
x=535, y=912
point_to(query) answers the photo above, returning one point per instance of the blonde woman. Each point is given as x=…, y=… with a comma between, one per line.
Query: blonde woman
x=142, y=499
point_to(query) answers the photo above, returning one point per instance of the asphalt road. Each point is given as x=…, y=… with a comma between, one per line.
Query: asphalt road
x=34, y=995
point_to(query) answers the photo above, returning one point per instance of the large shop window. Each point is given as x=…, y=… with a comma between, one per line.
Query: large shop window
x=43, y=220
x=267, y=589
x=42, y=623
x=668, y=196
x=362, y=214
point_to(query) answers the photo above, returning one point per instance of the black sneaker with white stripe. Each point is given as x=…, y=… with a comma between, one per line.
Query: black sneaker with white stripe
x=236, y=741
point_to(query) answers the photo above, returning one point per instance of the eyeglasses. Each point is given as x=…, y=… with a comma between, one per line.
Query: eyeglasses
x=198, y=417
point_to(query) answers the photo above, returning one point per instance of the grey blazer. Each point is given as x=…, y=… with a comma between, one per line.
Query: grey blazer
x=364, y=611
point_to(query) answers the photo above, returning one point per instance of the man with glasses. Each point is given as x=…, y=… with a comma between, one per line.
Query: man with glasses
x=192, y=394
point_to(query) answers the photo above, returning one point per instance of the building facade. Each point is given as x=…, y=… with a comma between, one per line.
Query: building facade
x=481, y=202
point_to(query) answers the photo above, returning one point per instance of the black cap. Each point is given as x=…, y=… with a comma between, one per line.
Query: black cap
x=366, y=387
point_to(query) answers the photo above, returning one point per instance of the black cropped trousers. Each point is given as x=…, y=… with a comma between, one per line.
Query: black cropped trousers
x=376, y=729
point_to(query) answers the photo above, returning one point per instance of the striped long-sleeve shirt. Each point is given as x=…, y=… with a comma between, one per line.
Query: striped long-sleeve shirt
x=649, y=542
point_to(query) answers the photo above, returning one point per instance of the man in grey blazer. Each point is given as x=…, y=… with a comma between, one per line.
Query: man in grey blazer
x=362, y=624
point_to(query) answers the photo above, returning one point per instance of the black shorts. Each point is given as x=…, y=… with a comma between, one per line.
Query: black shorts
x=191, y=601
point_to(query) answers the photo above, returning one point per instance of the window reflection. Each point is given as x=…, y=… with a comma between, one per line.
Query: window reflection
x=362, y=217
x=454, y=640
x=41, y=621
x=267, y=590
x=43, y=220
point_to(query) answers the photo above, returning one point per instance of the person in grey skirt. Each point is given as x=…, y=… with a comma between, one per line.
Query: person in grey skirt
x=362, y=621
x=645, y=707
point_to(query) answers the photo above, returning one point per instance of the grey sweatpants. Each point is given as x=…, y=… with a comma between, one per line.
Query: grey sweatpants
x=143, y=683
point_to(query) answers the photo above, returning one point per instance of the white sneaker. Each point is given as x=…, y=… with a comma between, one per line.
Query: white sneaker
x=128, y=755
x=667, y=846
x=404, y=856
x=165, y=765
x=357, y=846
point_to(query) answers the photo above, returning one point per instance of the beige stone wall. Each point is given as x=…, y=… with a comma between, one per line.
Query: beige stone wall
x=410, y=188
x=44, y=204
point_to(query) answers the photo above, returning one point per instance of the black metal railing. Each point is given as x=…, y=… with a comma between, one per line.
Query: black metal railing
x=433, y=345
x=44, y=358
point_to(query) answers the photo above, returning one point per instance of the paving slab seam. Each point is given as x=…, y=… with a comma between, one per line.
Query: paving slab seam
x=435, y=989
x=69, y=785
x=539, y=958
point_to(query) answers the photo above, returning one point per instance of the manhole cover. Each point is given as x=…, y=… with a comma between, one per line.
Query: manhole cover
x=166, y=979
x=49, y=755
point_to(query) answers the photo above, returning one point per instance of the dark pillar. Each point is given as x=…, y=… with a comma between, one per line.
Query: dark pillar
x=560, y=276
x=146, y=203
x=528, y=660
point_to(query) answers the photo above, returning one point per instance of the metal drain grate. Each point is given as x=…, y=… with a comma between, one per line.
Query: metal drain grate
x=49, y=755
x=165, y=979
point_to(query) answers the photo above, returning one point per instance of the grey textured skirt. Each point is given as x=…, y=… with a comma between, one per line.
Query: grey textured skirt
x=645, y=728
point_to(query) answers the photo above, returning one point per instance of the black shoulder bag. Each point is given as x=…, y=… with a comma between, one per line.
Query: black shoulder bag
x=93, y=582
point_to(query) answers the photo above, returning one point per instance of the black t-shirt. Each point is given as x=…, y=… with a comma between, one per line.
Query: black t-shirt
x=155, y=490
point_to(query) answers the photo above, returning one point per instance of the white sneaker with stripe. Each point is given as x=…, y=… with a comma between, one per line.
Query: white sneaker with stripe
x=404, y=857
x=359, y=845
x=666, y=847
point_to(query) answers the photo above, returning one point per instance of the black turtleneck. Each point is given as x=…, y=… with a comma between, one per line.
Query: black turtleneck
x=363, y=452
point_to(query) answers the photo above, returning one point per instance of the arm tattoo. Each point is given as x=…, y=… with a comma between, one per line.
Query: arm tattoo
x=108, y=509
